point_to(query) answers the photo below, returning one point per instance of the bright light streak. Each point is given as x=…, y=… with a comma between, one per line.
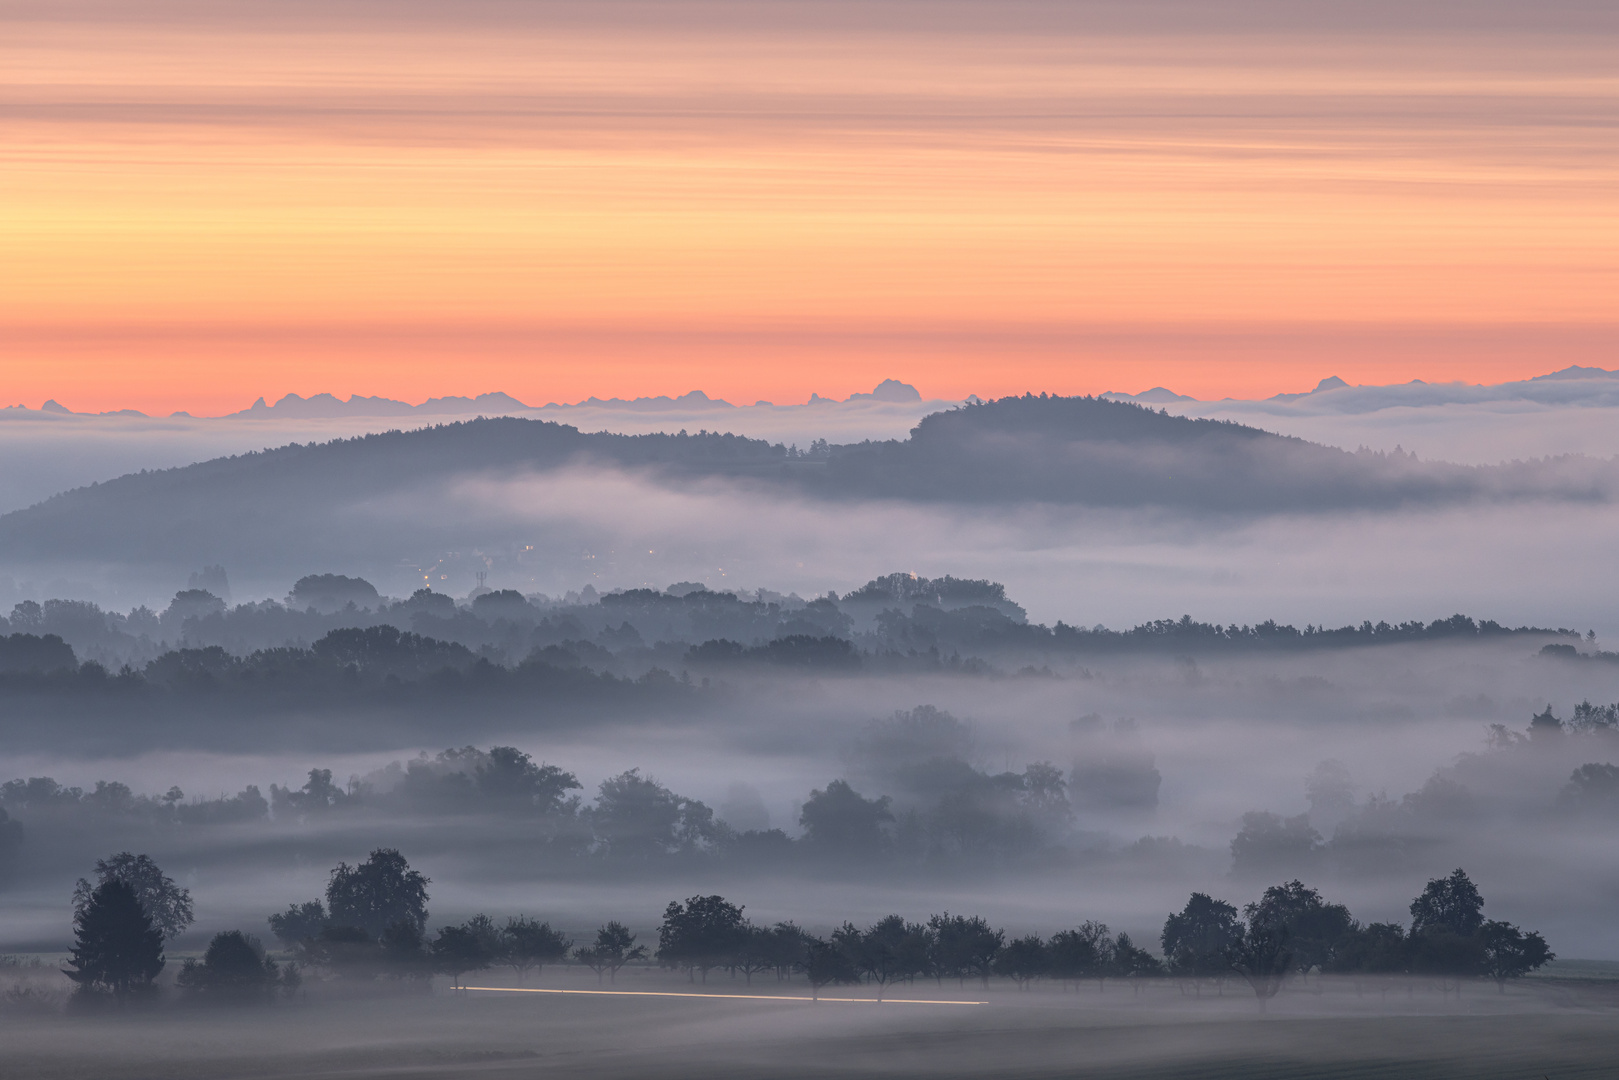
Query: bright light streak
x=737, y=997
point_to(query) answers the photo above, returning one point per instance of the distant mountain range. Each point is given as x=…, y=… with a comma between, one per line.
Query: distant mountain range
x=330, y=406
x=1571, y=386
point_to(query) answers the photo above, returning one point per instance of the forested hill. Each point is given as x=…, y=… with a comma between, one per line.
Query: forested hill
x=1061, y=450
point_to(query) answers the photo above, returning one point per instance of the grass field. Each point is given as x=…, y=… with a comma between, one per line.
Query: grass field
x=1549, y=1028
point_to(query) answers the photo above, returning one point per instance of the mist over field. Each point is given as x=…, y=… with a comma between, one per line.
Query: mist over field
x=1042, y=661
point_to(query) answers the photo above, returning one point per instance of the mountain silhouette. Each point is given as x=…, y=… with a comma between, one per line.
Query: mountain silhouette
x=1030, y=449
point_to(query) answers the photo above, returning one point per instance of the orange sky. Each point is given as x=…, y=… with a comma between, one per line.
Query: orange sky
x=195, y=213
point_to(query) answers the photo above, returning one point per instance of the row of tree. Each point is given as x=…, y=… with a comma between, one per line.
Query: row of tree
x=950, y=808
x=373, y=924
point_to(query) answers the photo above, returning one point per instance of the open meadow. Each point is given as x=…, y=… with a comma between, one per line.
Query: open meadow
x=1557, y=1027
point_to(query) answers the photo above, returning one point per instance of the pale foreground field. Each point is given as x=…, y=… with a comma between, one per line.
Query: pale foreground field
x=1551, y=1029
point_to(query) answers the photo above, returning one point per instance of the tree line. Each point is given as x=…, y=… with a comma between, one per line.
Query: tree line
x=371, y=924
x=893, y=620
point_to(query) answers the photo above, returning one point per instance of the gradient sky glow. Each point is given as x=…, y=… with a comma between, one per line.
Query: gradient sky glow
x=218, y=201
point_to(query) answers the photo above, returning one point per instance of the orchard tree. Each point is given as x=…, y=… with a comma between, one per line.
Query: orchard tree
x=701, y=934
x=1023, y=959
x=1198, y=941
x=1083, y=953
x=964, y=946
x=526, y=945
x=613, y=948
x=827, y=964
x=460, y=949
x=1509, y=953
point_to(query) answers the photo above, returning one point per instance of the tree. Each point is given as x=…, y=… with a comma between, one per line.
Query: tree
x=637, y=817
x=377, y=893
x=347, y=951
x=1263, y=955
x=1509, y=953
x=526, y=945
x=1045, y=799
x=1545, y=726
x=1315, y=929
x=1377, y=949
x=613, y=948
x=509, y=777
x=887, y=951
x=299, y=923
x=234, y=969
x=1131, y=962
x=404, y=953
x=789, y=948
x=840, y=820
x=964, y=946
x=167, y=903
x=458, y=950
x=700, y=934
x=1269, y=843
x=1197, y=942
x=1448, y=904
x=756, y=951
x=1023, y=959
x=117, y=946
x=1084, y=953
x=826, y=964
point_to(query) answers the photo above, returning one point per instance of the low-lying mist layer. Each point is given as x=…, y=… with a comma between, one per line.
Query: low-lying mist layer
x=825, y=759
x=539, y=505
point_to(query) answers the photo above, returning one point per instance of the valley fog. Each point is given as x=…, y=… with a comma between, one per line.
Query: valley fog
x=1179, y=708
x=1161, y=755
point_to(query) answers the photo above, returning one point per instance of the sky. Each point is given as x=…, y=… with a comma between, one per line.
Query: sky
x=202, y=203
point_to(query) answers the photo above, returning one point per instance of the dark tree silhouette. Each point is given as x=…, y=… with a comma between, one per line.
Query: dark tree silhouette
x=840, y=820
x=526, y=945
x=637, y=817
x=403, y=950
x=826, y=964
x=234, y=969
x=887, y=951
x=1131, y=962
x=1450, y=904
x=756, y=951
x=117, y=948
x=613, y=948
x=377, y=893
x=1197, y=942
x=701, y=934
x=299, y=923
x=1315, y=929
x=1509, y=953
x=510, y=778
x=964, y=946
x=1084, y=953
x=1023, y=960
x=346, y=951
x=167, y=903
x=1380, y=949
x=460, y=949
x=789, y=948
x=1263, y=955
